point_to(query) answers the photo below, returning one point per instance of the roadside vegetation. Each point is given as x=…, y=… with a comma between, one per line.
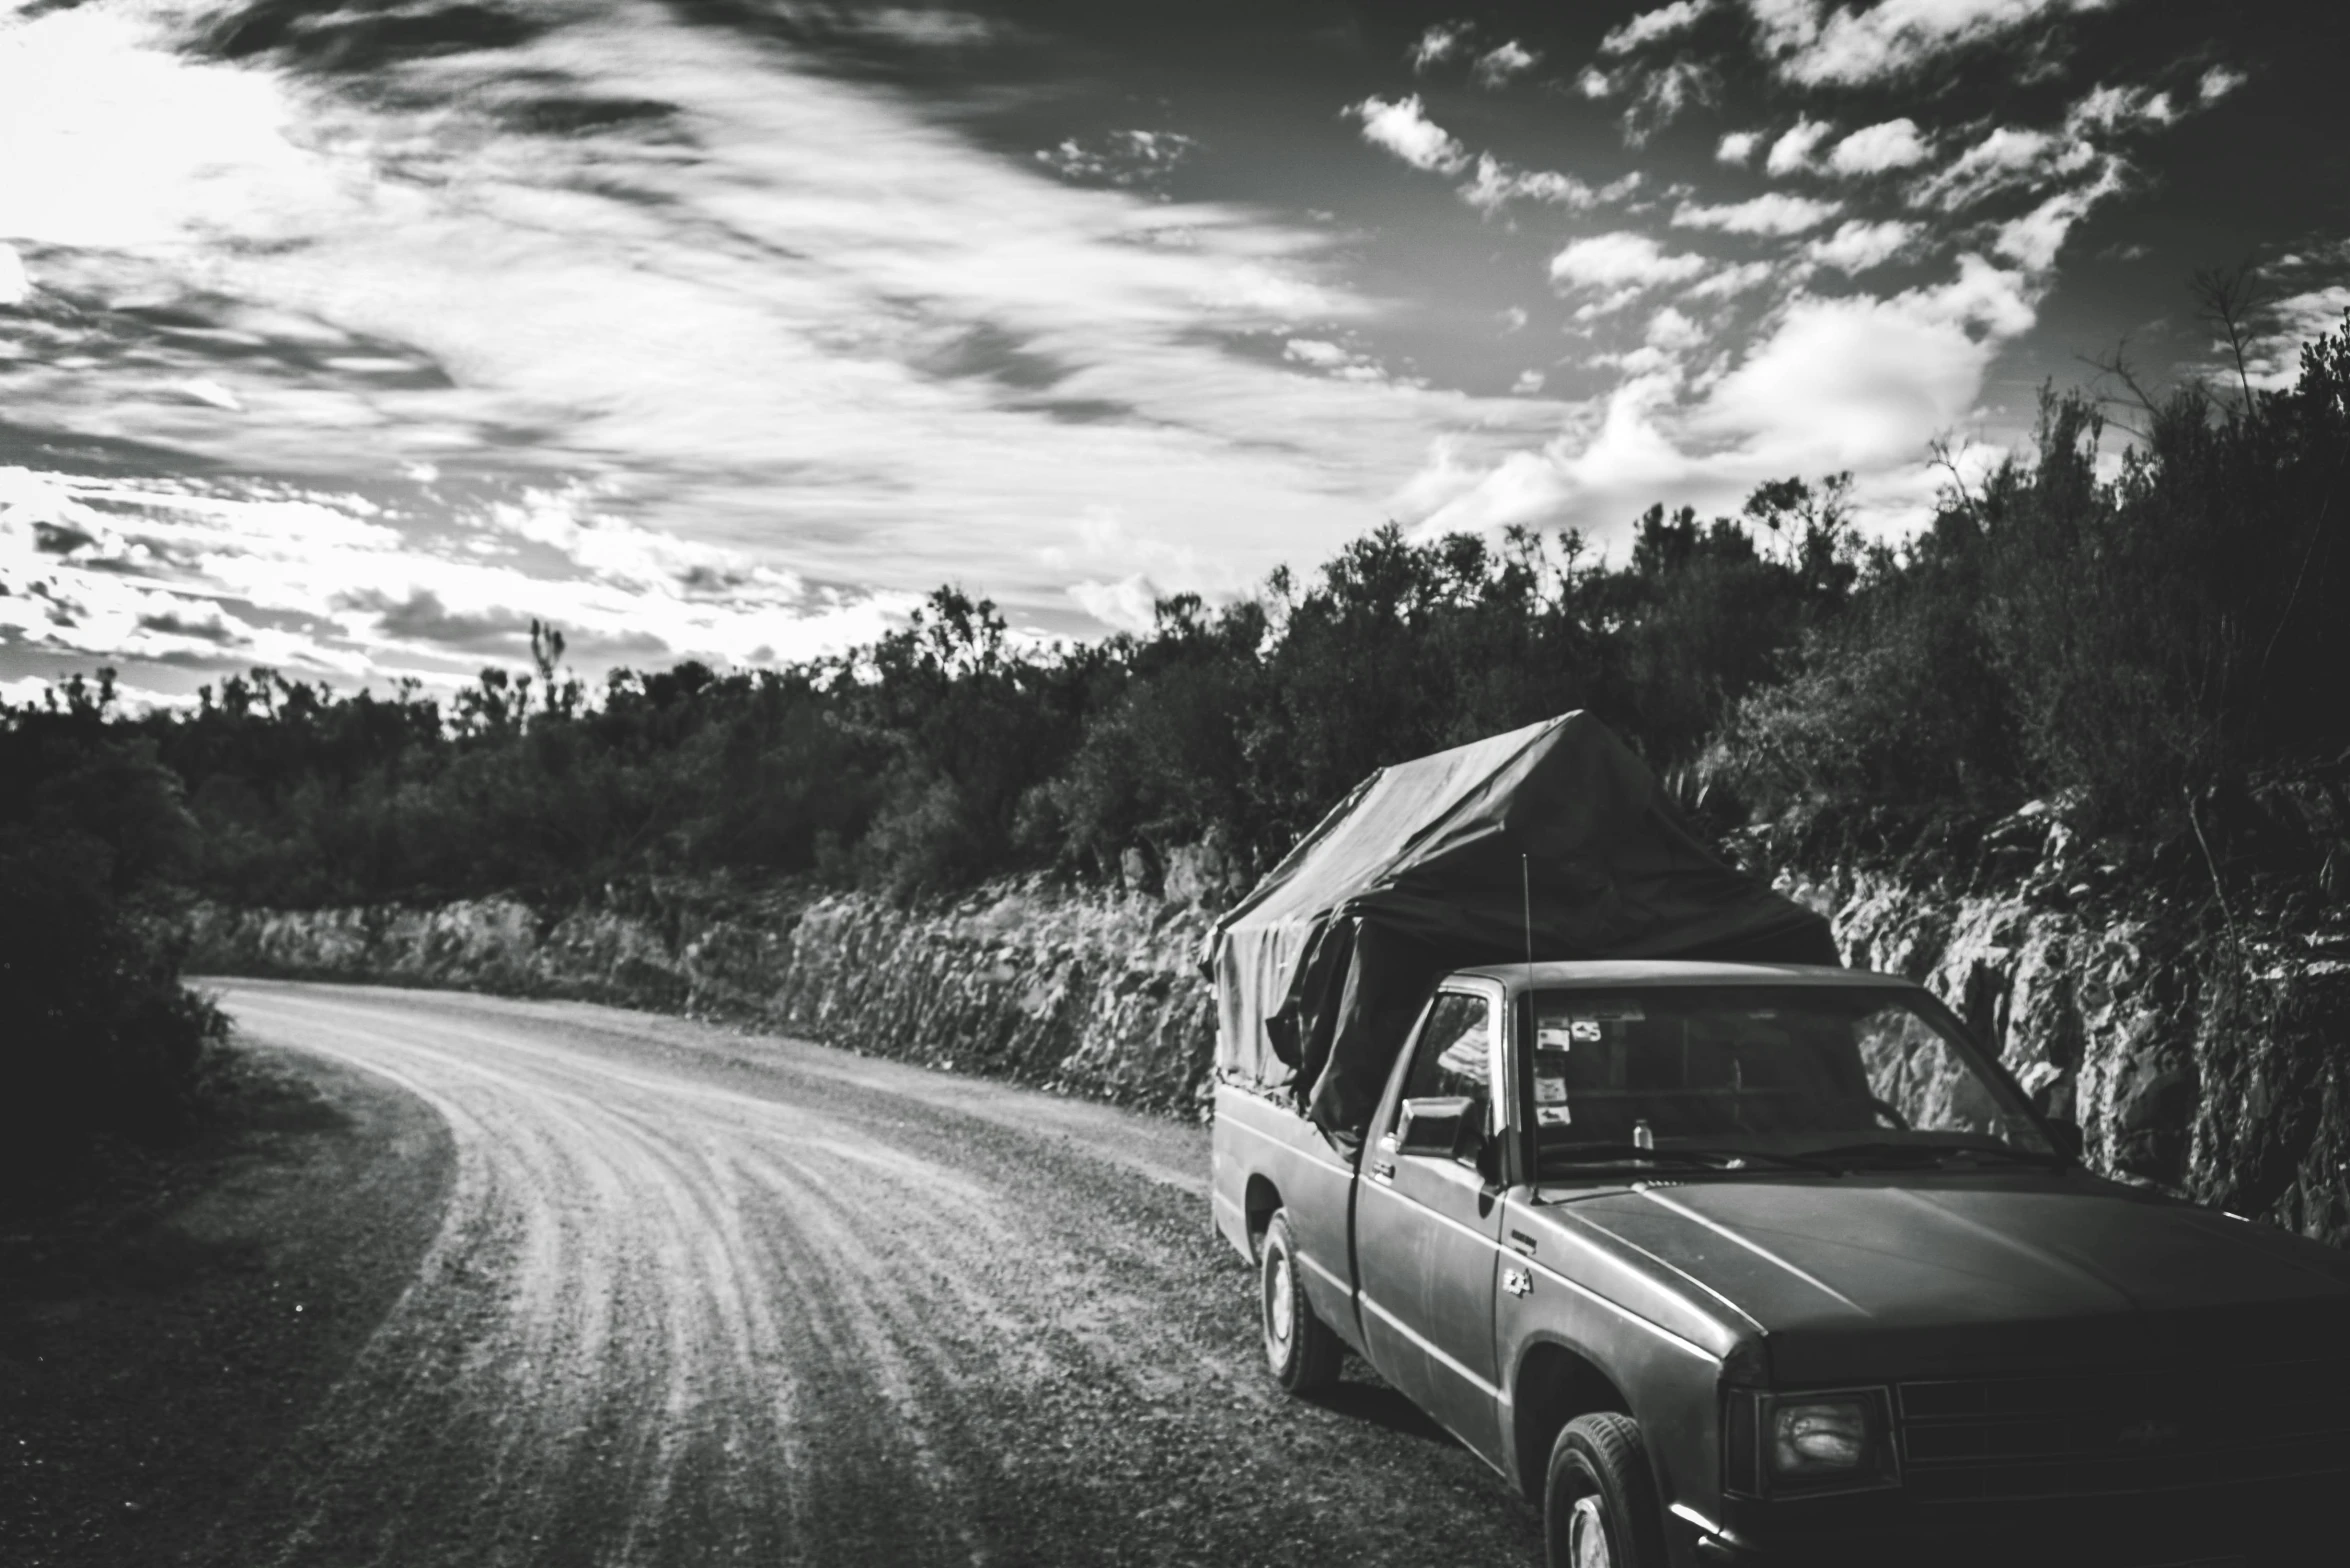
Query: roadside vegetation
x=2155, y=649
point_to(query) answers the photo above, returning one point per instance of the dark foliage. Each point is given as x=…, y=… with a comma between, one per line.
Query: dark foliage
x=2159, y=653
x=101, y=1039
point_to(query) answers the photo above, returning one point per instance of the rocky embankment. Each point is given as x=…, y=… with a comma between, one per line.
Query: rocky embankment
x=2211, y=1063
x=2218, y=1067
x=1095, y=993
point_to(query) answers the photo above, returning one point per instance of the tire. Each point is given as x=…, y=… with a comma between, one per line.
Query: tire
x=1599, y=1505
x=1299, y=1347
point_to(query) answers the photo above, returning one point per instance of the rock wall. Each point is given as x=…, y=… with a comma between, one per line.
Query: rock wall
x=2219, y=1068
x=2213, y=1066
x=1089, y=993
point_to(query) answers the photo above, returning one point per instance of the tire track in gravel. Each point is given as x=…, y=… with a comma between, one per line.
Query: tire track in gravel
x=702, y=1297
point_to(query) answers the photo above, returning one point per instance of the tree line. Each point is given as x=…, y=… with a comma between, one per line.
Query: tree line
x=2153, y=642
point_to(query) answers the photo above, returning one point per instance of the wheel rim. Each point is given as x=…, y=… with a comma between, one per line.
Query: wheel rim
x=1280, y=1295
x=1587, y=1536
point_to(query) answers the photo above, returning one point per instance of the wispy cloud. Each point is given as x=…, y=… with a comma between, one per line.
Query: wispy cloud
x=1440, y=43
x=1774, y=212
x=1666, y=21
x=1622, y=259
x=1859, y=246
x=1499, y=64
x=1858, y=45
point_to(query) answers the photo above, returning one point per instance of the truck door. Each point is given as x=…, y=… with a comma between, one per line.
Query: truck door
x=1427, y=1229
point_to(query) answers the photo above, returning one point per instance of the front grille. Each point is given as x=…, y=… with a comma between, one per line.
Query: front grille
x=2138, y=1430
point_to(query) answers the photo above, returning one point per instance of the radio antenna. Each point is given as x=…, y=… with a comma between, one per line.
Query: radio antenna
x=1526, y=888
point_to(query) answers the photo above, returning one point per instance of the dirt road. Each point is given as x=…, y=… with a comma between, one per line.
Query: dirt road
x=699, y=1297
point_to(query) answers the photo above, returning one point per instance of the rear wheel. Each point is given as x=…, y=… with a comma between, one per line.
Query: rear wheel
x=1599, y=1501
x=1299, y=1347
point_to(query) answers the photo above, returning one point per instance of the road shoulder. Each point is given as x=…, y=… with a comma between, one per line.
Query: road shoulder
x=158, y=1350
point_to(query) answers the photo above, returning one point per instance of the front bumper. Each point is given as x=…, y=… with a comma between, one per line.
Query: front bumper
x=2265, y=1526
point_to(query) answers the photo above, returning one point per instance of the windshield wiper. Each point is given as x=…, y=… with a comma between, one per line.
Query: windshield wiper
x=1931, y=1153
x=1708, y=1159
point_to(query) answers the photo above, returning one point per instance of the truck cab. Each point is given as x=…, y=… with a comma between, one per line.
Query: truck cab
x=1772, y=1264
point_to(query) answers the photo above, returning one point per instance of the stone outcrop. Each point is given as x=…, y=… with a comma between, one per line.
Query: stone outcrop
x=1095, y=993
x=2216, y=1066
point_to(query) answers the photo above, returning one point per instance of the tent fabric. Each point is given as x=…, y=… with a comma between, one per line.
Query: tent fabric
x=1321, y=970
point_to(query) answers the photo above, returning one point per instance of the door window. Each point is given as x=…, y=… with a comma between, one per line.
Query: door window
x=1454, y=1056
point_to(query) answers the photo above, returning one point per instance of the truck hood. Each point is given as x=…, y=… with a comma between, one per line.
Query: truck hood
x=1965, y=1272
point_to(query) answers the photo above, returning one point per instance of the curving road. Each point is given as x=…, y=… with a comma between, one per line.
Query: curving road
x=701, y=1297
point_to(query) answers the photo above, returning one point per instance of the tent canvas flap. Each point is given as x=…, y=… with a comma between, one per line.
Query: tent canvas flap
x=1423, y=868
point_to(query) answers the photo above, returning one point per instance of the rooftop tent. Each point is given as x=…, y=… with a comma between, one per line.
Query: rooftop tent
x=1320, y=971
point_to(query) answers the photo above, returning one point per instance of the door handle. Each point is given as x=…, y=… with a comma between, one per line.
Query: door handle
x=1383, y=1170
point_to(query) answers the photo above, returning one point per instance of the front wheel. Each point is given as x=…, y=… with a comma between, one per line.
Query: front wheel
x=1599, y=1500
x=1299, y=1347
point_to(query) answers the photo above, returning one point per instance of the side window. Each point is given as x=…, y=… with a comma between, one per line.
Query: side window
x=1454, y=1055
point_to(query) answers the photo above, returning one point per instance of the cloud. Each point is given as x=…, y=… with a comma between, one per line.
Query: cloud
x=419, y=616
x=1729, y=282
x=721, y=321
x=1128, y=605
x=1663, y=94
x=1438, y=44
x=2006, y=158
x=1496, y=66
x=1859, y=46
x=16, y=285
x=1861, y=382
x=2110, y=108
x=1621, y=260
x=1496, y=183
x=1404, y=129
x=1774, y=212
x=1873, y=149
x=2274, y=357
x=1528, y=383
x=1666, y=21
x=1854, y=382
x=2217, y=83
x=1595, y=84
x=1737, y=148
x=1121, y=158
x=1794, y=148
x=2035, y=238
x=1334, y=359
x=1857, y=246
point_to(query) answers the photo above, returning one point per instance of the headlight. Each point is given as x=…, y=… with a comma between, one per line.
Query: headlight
x=1819, y=1437
x=1809, y=1444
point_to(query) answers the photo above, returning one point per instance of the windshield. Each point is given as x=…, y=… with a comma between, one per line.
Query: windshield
x=1859, y=1074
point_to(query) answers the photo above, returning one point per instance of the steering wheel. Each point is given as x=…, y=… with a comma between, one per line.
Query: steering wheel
x=1885, y=1109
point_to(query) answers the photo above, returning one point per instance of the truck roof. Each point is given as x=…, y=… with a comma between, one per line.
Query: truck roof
x=1664, y=971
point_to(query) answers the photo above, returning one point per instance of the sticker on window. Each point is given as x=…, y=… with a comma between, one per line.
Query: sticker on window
x=1550, y=1091
x=1551, y=1116
x=1554, y=1035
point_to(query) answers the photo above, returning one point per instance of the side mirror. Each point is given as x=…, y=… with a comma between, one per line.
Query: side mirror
x=2067, y=1134
x=1438, y=1124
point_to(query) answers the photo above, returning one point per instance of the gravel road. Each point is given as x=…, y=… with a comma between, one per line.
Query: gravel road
x=703, y=1297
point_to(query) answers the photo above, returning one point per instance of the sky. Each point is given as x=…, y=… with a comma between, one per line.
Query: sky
x=346, y=339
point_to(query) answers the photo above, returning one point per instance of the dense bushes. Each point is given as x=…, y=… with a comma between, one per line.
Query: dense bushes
x=100, y=1039
x=2161, y=652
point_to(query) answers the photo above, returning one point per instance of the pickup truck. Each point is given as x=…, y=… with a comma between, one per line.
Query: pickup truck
x=1773, y=1264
